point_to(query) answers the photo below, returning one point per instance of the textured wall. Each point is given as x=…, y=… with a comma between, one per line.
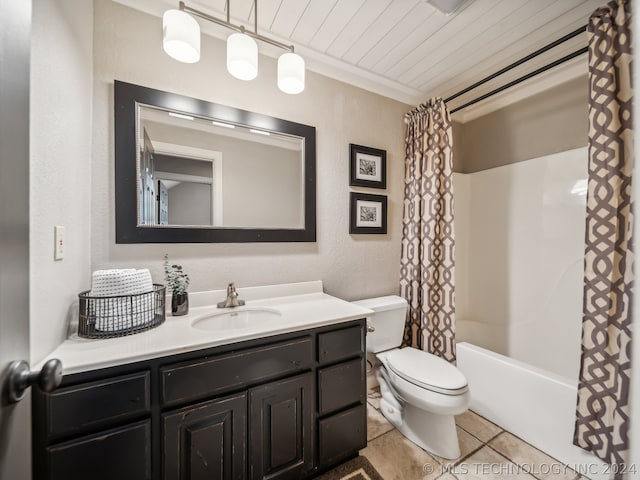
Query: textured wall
x=60, y=166
x=128, y=47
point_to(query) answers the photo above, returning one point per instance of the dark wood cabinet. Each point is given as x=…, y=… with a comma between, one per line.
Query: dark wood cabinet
x=191, y=380
x=123, y=453
x=339, y=386
x=206, y=441
x=342, y=394
x=277, y=408
x=281, y=433
x=339, y=434
x=94, y=405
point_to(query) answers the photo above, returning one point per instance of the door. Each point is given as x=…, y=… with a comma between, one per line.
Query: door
x=206, y=441
x=15, y=419
x=163, y=203
x=147, y=200
x=281, y=429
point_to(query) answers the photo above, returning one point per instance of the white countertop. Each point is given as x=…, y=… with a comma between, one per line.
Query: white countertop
x=301, y=305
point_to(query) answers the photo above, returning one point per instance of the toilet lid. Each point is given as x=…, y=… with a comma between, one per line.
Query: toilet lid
x=426, y=370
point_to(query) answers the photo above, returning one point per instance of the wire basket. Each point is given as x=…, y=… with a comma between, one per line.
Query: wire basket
x=117, y=316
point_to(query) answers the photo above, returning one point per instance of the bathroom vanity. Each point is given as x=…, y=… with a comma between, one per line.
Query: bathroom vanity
x=282, y=400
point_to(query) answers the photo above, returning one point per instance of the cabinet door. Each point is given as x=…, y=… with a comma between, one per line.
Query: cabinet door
x=121, y=453
x=206, y=441
x=281, y=428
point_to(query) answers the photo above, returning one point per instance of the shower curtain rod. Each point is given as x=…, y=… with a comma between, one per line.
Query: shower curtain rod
x=540, y=51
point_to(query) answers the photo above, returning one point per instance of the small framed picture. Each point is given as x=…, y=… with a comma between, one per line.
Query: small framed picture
x=368, y=213
x=368, y=167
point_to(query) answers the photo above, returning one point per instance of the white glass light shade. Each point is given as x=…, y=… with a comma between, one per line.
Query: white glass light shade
x=181, y=36
x=242, y=56
x=291, y=73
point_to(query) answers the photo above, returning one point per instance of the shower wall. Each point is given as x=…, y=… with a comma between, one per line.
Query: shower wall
x=520, y=241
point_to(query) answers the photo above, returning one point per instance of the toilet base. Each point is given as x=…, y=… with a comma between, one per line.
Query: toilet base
x=435, y=433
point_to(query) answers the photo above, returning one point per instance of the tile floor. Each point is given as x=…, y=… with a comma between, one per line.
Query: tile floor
x=487, y=452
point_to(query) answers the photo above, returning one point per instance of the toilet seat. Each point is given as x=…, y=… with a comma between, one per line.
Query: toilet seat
x=426, y=371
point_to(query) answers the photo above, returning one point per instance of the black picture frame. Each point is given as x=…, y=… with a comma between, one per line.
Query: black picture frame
x=368, y=167
x=376, y=207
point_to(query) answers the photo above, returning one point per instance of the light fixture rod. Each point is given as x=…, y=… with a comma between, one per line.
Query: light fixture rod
x=255, y=16
x=182, y=6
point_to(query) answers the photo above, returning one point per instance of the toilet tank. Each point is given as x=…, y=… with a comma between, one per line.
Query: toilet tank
x=388, y=321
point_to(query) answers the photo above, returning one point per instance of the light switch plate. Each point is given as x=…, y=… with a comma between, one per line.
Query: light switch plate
x=58, y=235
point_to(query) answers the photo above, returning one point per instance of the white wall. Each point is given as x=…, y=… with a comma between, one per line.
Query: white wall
x=60, y=165
x=519, y=270
x=128, y=47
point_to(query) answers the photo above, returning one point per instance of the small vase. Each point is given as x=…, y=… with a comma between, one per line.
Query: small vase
x=179, y=304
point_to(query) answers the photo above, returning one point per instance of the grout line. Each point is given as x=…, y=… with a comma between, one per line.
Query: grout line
x=477, y=437
x=381, y=435
x=513, y=461
x=576, y=477
x=495, y=436
x=469, y=454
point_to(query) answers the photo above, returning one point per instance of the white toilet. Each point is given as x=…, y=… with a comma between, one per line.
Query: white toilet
x=421, y=392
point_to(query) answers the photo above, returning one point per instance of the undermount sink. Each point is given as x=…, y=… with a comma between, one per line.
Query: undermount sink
x=236, y=319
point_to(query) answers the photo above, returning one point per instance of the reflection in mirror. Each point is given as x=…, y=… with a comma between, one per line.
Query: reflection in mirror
x=204, y=172
x=194, y=171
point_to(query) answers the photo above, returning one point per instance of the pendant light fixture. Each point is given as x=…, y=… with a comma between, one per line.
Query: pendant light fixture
x=291, y=73
x=242, y=56
x=181, y=36
x=181, y=41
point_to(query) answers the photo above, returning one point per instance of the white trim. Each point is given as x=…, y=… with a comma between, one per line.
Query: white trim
x=176, y=150
x=181, y=177
x=215, y=180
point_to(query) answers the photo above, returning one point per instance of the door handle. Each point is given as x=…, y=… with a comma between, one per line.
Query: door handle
x=20, y=377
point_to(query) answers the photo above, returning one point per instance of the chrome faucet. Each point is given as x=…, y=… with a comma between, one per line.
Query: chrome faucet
x=232, y=299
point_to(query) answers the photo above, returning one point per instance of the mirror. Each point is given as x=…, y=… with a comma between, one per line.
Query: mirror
x=194, y=171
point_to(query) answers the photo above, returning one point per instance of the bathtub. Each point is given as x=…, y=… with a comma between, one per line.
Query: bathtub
x=533, y=404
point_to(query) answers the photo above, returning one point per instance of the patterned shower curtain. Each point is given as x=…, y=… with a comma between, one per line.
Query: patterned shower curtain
x=602, y=414
x=427, y=262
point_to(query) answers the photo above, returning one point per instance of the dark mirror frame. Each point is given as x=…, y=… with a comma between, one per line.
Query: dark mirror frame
x=126, y=98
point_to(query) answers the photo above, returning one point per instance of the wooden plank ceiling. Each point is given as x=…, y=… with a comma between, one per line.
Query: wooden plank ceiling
x=404, y=49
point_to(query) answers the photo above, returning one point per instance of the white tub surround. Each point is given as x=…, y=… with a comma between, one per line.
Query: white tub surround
x=519, y=267
x=536, y=405
x=300, y=306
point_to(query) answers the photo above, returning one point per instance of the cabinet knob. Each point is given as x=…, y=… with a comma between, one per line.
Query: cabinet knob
x=20, y=377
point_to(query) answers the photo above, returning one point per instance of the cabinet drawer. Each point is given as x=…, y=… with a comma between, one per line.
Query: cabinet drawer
x=342, y=435
x=341, y=385
x=199, y=379
x=122, y=453
x=339, y=344
x=93, y=405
